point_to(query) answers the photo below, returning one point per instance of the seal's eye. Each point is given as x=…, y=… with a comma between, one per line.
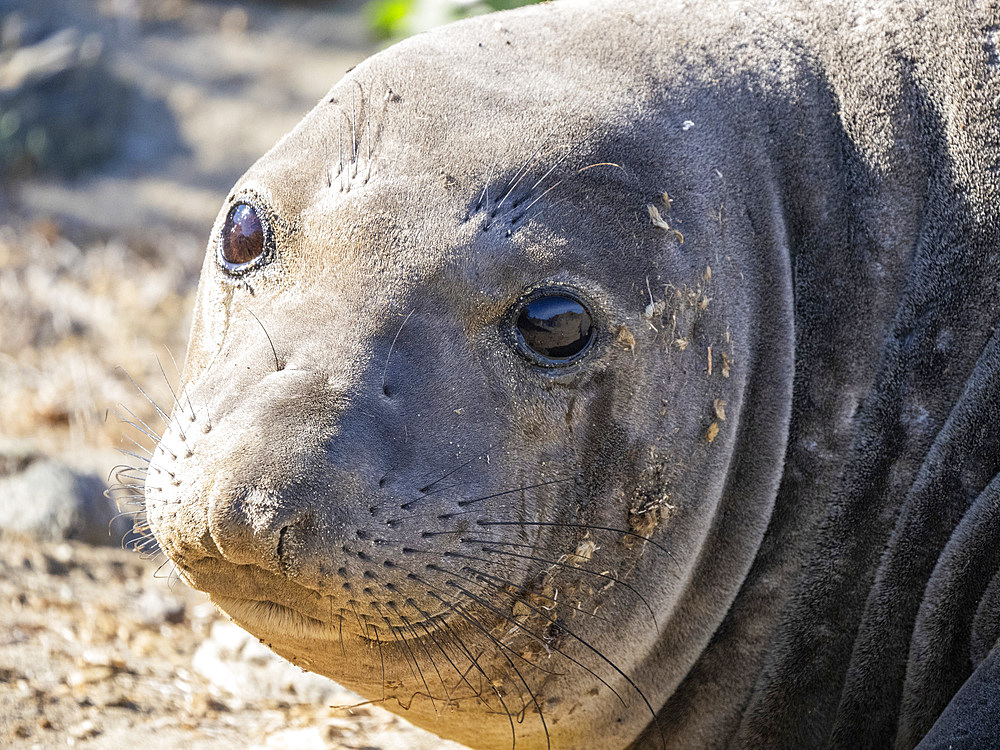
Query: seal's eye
x=243, y=238
x=554, y=328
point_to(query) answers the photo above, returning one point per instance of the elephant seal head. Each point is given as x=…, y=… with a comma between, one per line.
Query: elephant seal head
x=489, y=381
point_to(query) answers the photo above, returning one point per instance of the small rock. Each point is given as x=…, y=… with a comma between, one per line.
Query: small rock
x=237, y=664
x=84, y=730
x=47, y=500
x=296, y=739
x=55, y=567
x=156, y=607
x=61, y=107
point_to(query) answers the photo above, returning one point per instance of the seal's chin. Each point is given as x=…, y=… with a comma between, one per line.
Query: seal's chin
x=267, y=619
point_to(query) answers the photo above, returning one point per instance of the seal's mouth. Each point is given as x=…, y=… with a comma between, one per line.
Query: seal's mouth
x=270, y=619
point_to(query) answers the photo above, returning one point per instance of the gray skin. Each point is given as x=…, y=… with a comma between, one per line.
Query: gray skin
x=733, y=521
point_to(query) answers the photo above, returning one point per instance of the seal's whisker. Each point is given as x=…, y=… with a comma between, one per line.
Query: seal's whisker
x=354, y=134
x=146, y=540
x=597, y=652
x=534, y=700
x=559, y=563
x=368, y=159
x=412, y=657
x=340, y=154
x=557, y=524
x=466, y=503
x=177, y=370
x=173, y=577
x=539, y=197
x=361, y=627
x=120, y=489
x=430, y=634
x=524, y=589
x=436, y=592
x=135, y=510
x=127, y=543
x=521, y=173
x=445, y=488
x=425, y=489
x=173, y=395
x=501, y=649
x=423, y=645
x=505, y=618
x=137, y=483
x=385, y=369
x=600, y=164
x=520, y=217
x=461, y=675
x=136, y=456
x=130, y=503
x=163, y=414
x=550, y=170
x=277, y=365
x=134, y=515
x=549, y=646
x=138, y=445
x=165, y=563
x=486, y=189
x=121, y=470
x=140, y=427
x=567, y=566
x=474, y=661
x=381, y=656
x=527, y=631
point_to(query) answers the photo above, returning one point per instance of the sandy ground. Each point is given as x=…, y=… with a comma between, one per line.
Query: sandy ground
x=97, y=274
x=102, y=649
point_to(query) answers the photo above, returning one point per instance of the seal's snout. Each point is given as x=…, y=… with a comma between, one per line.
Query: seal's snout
x=248, y=526
x=230, y=484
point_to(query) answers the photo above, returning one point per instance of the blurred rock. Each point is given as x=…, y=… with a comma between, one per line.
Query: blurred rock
x=61, y=109
x=157, y=606
x=310, y=738
x=45, y=499
x=247, y=672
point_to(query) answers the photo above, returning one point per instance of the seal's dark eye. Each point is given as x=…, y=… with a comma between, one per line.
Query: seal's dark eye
x=242, y=241
x=555, y=327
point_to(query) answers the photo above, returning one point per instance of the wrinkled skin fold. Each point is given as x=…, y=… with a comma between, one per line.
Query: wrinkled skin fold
x=759, y=510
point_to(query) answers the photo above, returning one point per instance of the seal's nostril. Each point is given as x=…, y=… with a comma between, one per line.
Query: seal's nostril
x=385, y=391
x=381, y=482
x=280, y=550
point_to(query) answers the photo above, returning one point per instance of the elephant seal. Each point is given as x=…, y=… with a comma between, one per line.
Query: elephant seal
x=618, y=373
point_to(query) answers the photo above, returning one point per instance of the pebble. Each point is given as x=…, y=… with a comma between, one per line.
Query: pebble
x=45, y=499
x=242, y=668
